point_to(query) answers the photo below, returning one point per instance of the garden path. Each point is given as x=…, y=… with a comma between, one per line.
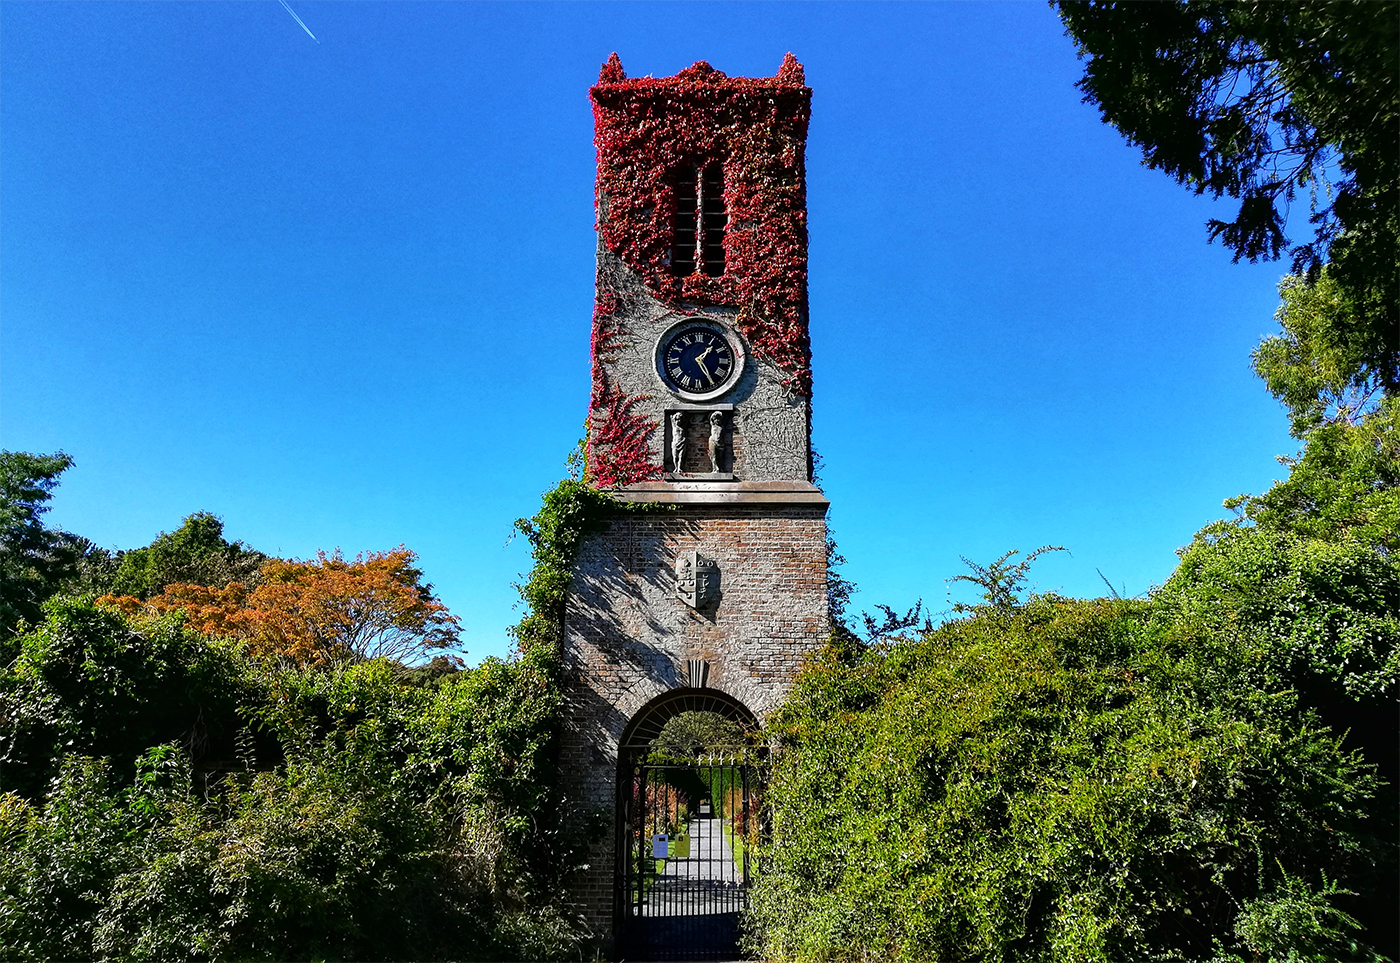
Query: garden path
x=705, y=881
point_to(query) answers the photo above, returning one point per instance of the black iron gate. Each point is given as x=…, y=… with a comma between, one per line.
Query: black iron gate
x=685, y=843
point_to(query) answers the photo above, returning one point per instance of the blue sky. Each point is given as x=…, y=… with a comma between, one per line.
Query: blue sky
x=339, y=292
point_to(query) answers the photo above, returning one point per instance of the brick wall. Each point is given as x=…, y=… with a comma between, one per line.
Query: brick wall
x=627, y=637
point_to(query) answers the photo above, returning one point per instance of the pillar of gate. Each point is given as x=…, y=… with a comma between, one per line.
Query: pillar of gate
x=701, y=407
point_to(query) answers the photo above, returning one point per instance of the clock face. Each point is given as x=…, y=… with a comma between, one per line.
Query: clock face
x=697, y=360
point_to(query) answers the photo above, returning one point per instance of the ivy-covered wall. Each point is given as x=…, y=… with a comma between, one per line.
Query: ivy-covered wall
x=646, y=129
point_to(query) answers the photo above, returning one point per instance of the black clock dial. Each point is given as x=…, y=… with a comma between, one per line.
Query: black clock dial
x=697, y=360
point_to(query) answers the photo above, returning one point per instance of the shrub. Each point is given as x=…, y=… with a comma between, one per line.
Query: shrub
x=91, y=682
x=358, y=813
x=1068, y=780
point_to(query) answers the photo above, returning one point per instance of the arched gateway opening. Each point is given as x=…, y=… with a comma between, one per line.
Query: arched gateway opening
x=688, y=814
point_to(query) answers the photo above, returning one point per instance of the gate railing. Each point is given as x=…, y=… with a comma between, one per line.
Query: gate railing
x=686, y=837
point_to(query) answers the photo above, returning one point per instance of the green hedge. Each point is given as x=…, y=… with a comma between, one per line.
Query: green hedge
x=1099, y=780
x=198, y=806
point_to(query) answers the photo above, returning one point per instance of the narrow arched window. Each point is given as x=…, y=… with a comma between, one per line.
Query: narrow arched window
x=697, y=231
x=683, y=227
x=713, y=220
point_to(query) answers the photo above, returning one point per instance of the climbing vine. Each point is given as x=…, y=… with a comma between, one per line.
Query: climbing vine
x=569, y=512
x=645, y=130
x=619, y=440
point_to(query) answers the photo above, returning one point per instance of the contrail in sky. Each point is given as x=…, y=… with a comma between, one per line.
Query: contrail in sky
x=286, y=7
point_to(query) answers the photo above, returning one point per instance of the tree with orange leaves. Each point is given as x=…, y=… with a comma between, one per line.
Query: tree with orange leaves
x=319, y=611
x=374, y=607
x=222, y=612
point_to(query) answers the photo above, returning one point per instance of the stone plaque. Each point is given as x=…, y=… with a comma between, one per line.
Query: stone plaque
x=697, y=579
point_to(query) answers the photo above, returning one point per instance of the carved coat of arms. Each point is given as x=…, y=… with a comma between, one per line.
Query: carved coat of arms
x=697, y=579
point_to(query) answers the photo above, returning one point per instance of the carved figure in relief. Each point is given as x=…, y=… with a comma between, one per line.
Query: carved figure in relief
x=677, y=440
x=697, y=579
x=715, y=445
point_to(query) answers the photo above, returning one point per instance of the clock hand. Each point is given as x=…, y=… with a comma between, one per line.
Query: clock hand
x=700, y=363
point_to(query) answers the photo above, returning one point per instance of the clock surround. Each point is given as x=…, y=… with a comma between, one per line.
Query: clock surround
x=693, y=347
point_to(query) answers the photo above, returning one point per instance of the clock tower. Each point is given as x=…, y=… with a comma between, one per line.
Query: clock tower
x=700, y=405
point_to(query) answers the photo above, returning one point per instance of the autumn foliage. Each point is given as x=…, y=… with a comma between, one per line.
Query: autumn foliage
x=646, y=128
x=317, y=611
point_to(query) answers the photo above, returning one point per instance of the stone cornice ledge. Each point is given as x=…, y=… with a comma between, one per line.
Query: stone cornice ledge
x=724, y=493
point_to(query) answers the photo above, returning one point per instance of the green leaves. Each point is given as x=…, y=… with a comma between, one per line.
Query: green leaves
x=1267, y=105
x=1001, y=581
x=87, y=681
x=195, y=553
x=690, y=735
x=569, y=512
x=354, y=813
x=1313, y=367
x=1345, y=485
x=1311, y=612
x=1096, y=780
x=1295, y=922
x=34, y=560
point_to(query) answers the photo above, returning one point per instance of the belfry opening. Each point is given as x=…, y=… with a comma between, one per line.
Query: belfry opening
x=701, y=585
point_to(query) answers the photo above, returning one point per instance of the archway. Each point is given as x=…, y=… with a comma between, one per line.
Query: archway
x=685, y=829
x=647, y=724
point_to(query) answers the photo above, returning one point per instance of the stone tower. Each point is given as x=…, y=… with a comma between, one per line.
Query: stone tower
x=701, y=400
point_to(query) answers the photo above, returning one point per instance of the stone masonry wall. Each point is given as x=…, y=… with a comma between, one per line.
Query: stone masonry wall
x=627, y=637
x=769, y=427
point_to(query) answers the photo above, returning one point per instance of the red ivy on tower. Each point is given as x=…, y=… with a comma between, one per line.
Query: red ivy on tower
x=644, y=130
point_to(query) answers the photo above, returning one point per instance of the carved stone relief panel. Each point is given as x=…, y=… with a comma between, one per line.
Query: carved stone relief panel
x=697, y=580
x=700, y=442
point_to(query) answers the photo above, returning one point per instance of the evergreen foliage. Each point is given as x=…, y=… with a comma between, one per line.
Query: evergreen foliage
x=1268, y=103
x=34, y=559
x=1208, y=773
x=196, y=553
x=162, y=797
x=91, y=683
